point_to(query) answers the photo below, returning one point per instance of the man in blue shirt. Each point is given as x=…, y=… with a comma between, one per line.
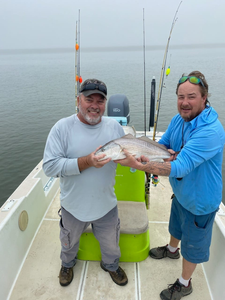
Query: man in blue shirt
x=195, y=138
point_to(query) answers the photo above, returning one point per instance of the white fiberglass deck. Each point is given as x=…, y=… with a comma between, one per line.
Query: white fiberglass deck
x=38, y=278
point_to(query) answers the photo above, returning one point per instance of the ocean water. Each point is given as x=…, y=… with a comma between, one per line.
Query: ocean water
x=37, y=88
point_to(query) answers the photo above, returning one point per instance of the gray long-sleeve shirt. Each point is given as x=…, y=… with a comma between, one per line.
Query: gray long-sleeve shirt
x=87, y=195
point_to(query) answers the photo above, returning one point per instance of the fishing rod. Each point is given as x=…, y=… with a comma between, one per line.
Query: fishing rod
x=76, y=76
x=163, y=73
x=78, y=56
x=144, y=70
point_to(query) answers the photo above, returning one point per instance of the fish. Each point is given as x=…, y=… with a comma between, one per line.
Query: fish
x=135, y=146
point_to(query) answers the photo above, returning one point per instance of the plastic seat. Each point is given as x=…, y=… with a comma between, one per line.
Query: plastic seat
x=134, y=234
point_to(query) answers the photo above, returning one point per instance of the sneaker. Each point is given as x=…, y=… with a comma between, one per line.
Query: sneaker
x=162, y=252
x=118, y=276
x=176, y=291
x=65, y=276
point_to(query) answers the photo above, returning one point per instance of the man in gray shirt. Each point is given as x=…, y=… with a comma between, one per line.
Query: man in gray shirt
x=87, y=184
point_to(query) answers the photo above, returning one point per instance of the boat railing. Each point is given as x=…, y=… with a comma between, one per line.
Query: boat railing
x=20, y=218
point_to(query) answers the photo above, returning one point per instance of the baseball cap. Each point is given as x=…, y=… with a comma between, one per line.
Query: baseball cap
x=93, y=86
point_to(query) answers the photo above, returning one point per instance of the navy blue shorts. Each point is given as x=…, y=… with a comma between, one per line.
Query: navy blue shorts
x=195, y=232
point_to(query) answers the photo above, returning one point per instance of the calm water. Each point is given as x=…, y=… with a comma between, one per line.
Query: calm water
x=37, y=89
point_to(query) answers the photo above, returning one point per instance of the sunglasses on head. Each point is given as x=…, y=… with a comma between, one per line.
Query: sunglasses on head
x=192, y=79
x=94, y=86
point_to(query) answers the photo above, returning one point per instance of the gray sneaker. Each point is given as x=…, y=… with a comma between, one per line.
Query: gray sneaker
x=176, y=291
x=162, y=252
x=65, y=276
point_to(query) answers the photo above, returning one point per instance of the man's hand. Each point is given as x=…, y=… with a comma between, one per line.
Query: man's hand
x=94, y=160
x=143, y=159
x=91, y=160
x=173, y=155
x=131, y=161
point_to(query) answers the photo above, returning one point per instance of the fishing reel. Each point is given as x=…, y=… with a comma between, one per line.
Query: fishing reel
x=155, y=180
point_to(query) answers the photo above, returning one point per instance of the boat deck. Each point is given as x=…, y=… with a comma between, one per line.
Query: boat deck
x=38, y=278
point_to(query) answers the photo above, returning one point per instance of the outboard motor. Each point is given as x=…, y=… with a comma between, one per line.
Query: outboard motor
x=118, y=108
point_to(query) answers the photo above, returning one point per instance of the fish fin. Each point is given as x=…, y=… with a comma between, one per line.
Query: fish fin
x=145, y=138
x=128, y=136
x=128, y=129
x=134, y=131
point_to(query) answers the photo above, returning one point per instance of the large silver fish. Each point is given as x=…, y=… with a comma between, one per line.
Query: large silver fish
x=135, y=146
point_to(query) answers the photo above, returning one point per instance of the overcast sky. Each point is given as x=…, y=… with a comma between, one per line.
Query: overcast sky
x=29, y=24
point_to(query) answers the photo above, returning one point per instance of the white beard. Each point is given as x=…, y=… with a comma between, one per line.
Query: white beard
x=90, y=120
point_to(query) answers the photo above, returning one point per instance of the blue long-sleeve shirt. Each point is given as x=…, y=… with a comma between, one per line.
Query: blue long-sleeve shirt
x=199, y=162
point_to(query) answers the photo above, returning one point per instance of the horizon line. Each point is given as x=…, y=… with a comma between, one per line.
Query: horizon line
x=109, y=48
